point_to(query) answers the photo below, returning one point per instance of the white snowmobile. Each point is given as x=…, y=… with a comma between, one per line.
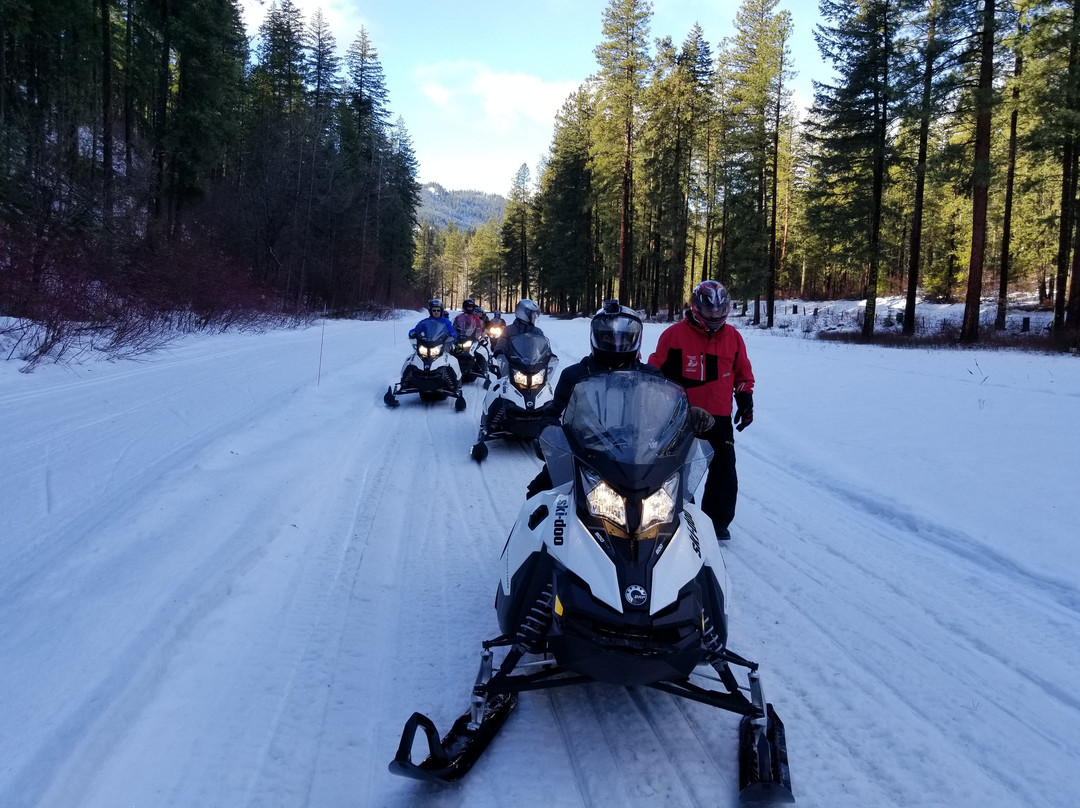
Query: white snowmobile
x=615, y=576
x=514, y=404
x=431, y=370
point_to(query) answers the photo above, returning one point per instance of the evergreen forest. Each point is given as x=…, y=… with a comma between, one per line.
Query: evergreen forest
x=940, y=163
x=157, y=171
x=153, y=161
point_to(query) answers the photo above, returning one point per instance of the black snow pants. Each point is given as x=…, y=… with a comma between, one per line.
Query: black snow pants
x=721, y=482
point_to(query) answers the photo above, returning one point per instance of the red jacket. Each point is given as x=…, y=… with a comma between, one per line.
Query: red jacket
x=711, y=365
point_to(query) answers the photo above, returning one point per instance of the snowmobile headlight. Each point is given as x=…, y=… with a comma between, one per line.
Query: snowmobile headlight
x=603, y=501
x=467, y=344
x=495, y=332
x=429, y=352
x=527, y=382
x=659, y=506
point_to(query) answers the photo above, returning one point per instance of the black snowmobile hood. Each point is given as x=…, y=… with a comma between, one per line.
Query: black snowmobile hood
x=432, y=331
x=631, y=427
x=529, y=352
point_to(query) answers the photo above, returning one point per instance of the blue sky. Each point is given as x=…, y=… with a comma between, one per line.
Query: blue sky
x=478, y=83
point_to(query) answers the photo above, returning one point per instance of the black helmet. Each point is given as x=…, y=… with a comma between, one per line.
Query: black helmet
x=711, y=304
x=615, y=335
x=435, y=303
x=469, y=306
x=527, y=311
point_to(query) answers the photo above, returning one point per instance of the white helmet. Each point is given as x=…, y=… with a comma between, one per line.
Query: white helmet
x=527, y=311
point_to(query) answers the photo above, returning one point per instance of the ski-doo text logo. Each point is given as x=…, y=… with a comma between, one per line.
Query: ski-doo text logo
x=636, y=595
x=692, y=530
x=562, y=505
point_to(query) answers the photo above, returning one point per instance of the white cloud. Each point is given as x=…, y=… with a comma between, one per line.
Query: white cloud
x=494, y=101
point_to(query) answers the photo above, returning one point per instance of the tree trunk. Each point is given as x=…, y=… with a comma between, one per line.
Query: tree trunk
x=770, y=285
x=1071, y=312
x=625, y=254
x=1006, y=226
x=878, y=193
x=106, y=110
x=915, y=246
x=1068, y=176
x=129, y=91
x=162, y=112
x=969, y=331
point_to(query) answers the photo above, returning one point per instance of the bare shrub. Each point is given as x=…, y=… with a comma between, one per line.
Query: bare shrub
x=61, y=314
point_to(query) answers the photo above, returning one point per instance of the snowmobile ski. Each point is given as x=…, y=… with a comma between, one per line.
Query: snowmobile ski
x=764, y=776
x=451, y=757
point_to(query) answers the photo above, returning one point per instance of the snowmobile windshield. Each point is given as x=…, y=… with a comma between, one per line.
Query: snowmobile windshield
x=432, y=332
x=529, y=352
x=631, y=427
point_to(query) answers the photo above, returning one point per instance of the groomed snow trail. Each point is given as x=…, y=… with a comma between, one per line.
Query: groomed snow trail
x=229, y=574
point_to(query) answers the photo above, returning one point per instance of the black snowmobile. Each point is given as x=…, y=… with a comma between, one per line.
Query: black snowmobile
x=614, y=575
x=431, y=371
x=471, y=358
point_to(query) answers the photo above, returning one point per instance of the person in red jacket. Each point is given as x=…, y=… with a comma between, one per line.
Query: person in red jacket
x=708, y=357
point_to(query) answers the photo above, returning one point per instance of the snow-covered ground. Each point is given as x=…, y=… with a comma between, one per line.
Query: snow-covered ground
x=228, y=575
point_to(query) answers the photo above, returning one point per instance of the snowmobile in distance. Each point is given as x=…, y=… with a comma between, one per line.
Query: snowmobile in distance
x=493, y=329
x=614, y=575
x=473, y=361
x=431, y=370
x=514, y=404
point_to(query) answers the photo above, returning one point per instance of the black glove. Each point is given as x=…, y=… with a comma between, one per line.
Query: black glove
x=700, y=421
x=744, y=412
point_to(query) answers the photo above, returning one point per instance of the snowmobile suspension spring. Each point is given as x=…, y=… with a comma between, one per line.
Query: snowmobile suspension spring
x=534, y=627
x=709, y=639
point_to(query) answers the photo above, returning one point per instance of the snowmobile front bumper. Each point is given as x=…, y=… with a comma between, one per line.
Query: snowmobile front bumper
x=430, y=385
x=442, y=380
x=505, y=419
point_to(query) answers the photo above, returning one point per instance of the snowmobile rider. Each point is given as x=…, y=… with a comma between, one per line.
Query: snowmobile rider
x=436, y=312
x=708, y=357
x=615, y=337
x=468, y=324
x=525, y=315
x=494, y=325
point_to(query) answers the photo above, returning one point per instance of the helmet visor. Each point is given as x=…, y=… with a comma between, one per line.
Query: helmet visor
x=711, y=303
x=616, y=334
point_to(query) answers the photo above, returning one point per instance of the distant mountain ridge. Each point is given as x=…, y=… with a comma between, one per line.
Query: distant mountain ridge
x=465, y=208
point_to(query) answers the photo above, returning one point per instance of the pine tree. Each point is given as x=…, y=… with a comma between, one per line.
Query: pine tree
x=1051, y=51
x=930, y=76
x=515, y=231
x=624, y=61
x=565, y=266
x=851, y=133
x=759, y=65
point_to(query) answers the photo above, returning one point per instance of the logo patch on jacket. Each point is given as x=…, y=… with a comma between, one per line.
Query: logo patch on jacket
x=692, y=368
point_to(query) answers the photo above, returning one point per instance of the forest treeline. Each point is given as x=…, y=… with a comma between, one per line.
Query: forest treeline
x=938, y=162
x=151, y=157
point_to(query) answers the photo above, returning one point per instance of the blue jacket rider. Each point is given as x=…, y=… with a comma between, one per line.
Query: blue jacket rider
x=436, y=312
